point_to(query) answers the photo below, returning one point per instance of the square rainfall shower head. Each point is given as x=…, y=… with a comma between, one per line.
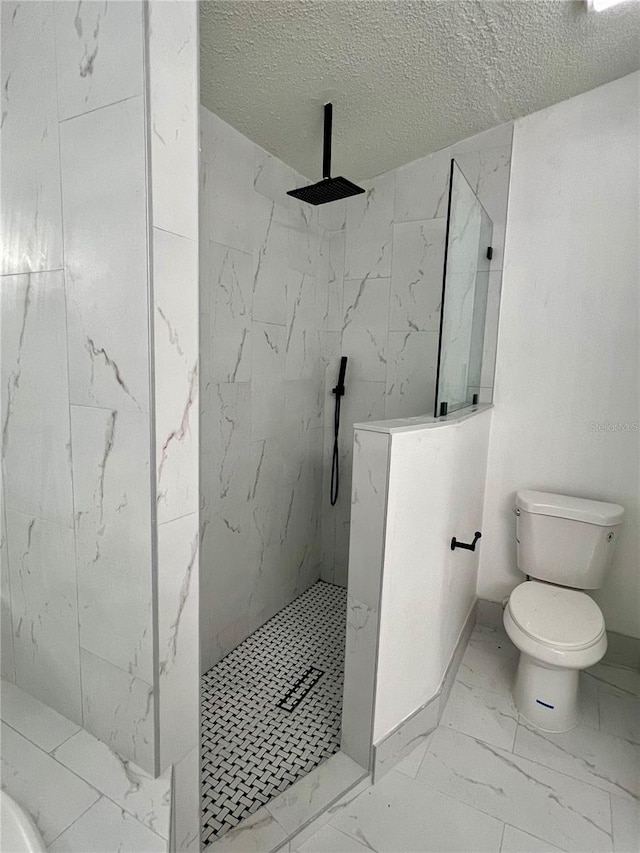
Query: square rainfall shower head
x=328, y=189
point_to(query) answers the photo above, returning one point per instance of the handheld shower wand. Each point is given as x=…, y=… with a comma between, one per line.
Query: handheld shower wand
x=335, y=466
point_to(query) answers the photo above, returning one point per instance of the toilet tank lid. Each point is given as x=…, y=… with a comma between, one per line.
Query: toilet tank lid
x=565, y=506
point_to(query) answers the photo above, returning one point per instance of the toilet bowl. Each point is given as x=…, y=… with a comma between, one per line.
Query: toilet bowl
x=558, y=632
x=564, y=545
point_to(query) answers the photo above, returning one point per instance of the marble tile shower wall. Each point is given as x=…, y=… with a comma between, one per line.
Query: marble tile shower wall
x=78, y=525
x=381, y=257
x=264, y=356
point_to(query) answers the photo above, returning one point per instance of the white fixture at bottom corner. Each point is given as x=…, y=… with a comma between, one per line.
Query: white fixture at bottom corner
x=601, y=5
x=19, y=832
x=564, y=545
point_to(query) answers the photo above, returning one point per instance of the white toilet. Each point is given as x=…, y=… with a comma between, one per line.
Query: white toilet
x=564, y=545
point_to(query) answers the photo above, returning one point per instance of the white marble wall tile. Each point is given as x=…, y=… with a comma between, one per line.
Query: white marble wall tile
x=118, y=709
x=31, y=218
x=411, y=374
x=303, y=358
x=303, y=249
x=228, y=284
x=53, y=796
x=365, y=327
x=104, y=823
x=333, y=217
x=178, y=597
x=7, y=667
x=35, y=412
x=106, y=279
x=34, y=720
x=100, y=54
x=331, y=278
x=422, y=188
x=227, y=182
x=272, y=178
x=175, y=265
x=173, y=104
x=369, y=230
x=438, y=823
x=561, y=810
x=270, y=244
x=416, y=280
x=360, y=661
x=229, y=470
x=138, y=793
x=267, y=378
x=113, y=536
x=186, y=807
x=44, y=611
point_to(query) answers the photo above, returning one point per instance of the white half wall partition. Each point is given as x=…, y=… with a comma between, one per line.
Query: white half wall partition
x=417, y=483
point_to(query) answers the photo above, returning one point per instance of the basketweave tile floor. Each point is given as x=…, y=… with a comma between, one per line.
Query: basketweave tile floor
x=486, y=782
x=271, y=708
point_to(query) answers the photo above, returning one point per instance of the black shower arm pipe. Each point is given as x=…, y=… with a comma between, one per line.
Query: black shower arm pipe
x=326, y=151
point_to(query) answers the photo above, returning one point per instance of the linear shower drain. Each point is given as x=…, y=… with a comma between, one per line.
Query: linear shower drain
x=300, y=689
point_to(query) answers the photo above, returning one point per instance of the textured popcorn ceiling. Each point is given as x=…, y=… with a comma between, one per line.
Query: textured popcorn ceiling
x=406, y=77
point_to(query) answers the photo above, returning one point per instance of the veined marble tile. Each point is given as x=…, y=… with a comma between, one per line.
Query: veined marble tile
x=226, y=182
x=53, y=796
x=269, y=230
x=145, y=798
x=259, y=832
x=7, y=668
x=604, y=761
x=615, y=679
x=175, y=294
x=106, y=280
x=113, y=540
x=516, y=841
x=31, y=215
x=401, y=814
x=315, y=791
x=228, y=437
x=32, y=719
x=491, y=329
x=173, y=100
x=178, y=628
x=625, y=818
x=328, y=839
x=44, y=611
x=302, y=348
x=267, y=378
x=272, y=178
x=490, y=717
x=619, y=715
x=416, y=729
x=186, y=808
x=365, y=327
x=303, y=249
x=331, y=277
x=422, y=188
x=359, y=682
x=411, y=374
x=105, y=826
x=330, y=814
x=99, y=49
x=369, y=230
x=333, y=217
x=303, y=408
x=489, y=663
x=563, y=811
x=410, y=764
x=118, y=709
x=416, y=279
x=35, y=411
x=228, y=281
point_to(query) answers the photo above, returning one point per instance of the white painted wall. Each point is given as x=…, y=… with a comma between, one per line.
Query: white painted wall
x=568, y=344
x=435, y=491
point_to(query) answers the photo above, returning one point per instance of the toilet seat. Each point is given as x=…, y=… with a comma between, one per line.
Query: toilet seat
x=561, y=618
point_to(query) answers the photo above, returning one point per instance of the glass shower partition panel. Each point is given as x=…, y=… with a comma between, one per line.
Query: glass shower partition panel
x=464, y=297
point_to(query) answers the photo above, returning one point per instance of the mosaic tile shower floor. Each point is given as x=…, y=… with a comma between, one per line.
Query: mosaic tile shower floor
x=271, y=708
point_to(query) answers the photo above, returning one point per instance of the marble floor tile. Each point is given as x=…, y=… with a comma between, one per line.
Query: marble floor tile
x=53, y=796
x=516, y=841
x=625, y=819
x=145, y=798
x=487, y=664
x=259, y=832
x=620, y=715
x=602, y=760
x=563, y=811
x=410, y=764
x=105, y=828
x=401, y=815
x=331, y=840
x=616, y=677
x=483, y=714
x=32, y=719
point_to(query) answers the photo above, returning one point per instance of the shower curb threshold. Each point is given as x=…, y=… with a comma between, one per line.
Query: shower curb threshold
x=274, y=825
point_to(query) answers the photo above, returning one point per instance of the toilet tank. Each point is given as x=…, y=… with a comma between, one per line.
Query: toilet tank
x=565, y=540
